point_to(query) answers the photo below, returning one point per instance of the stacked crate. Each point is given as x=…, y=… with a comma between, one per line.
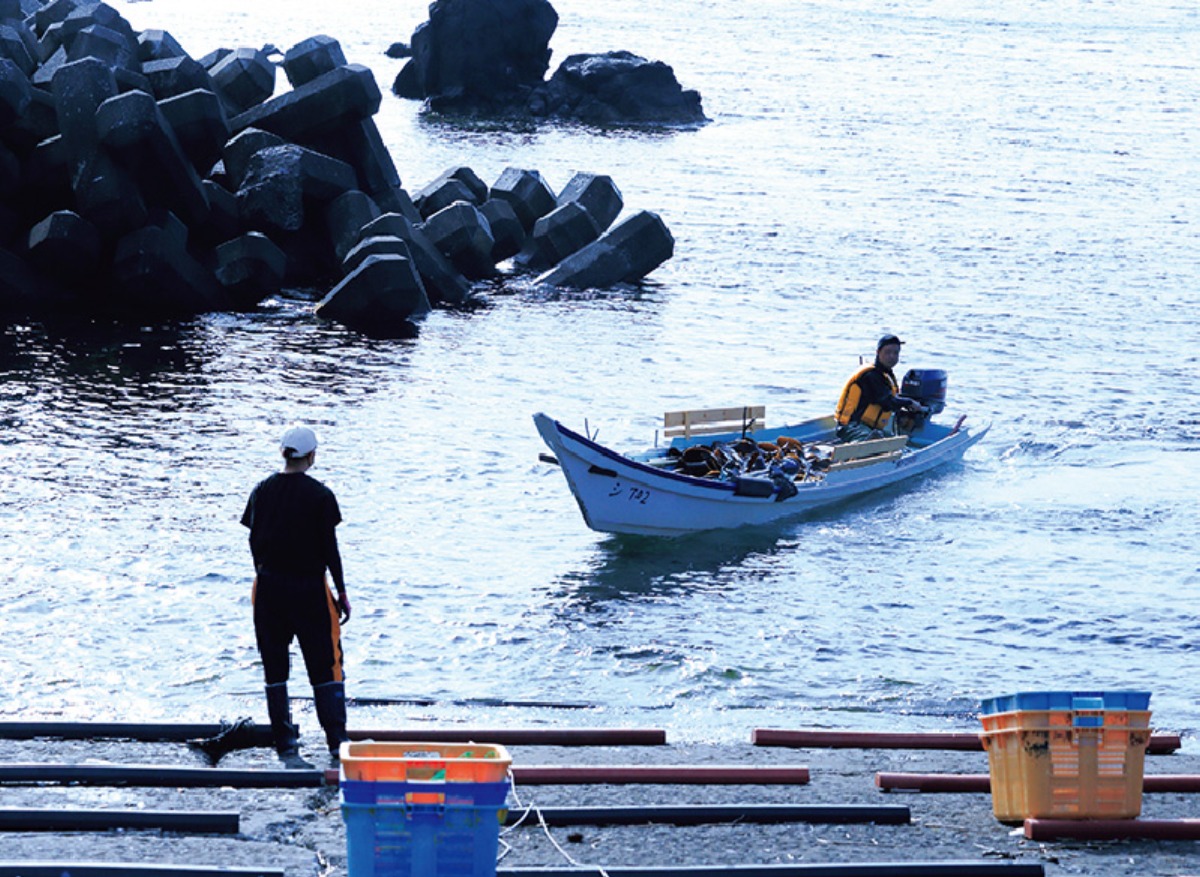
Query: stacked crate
x=1066, y=754
x=423, y=809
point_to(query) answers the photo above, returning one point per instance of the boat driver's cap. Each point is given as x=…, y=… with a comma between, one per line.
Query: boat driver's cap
x=886, y=340
x=298, y=441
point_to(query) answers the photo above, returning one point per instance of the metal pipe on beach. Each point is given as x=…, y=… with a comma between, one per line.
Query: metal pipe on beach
x=1160, y=744
x=869, y=869
x=982, y=782
x=187, y=822
x=92, y=869
x=1112, y=829
x=703, y=814
x=153, y=775
x=645, y=774
x=620, y=774
x=519, y=736
x=146, y=732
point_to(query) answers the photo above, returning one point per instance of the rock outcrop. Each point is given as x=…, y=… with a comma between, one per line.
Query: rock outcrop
x=616, y=88
x=491, y=56
x=479, y=53
x=139, y=182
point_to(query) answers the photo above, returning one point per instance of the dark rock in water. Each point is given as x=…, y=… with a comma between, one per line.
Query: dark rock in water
x=223, y=222
x=361, y=146
x=154, y=273
x=626, y=254
x=213, y=58
x=44, y=75
x=25, y=291
x=558, y=234
x=443, y=282
x=86, y=15
x=399, y=50
x=440, y=194
x=344, y=218
x=16, y=93
x=616, y=88
x=250, y=268
x=157, y=45
x=507, y=230
x=14, y=47
x=105, y=194
x=66, y=247
x=527, y=194
x=317, y=108
x=177, y=75
x=311, y=58
x=244, y=79
x=464, y=237
x=198, y=119
x=378, y=297
x=281, y=181
x=599, y=194
x=38, y=122
x=379, y=245
x=241, y=148
x=47, y=180
x=479, y=52
x=97, y=41
x=54, y=12
x=136, y=180
x=135, y=131
x=458, y=183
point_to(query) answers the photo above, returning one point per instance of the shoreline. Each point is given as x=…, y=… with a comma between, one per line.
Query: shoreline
x=302, y=830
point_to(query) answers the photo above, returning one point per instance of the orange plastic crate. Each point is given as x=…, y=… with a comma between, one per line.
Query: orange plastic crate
x=1045, y=720
x=424, y=762
x=1067, y=772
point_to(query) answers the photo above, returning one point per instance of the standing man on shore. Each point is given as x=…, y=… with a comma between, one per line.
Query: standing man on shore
x=293, y=519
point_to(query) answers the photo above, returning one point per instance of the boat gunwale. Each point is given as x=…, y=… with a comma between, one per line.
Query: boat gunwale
x=934, y=449
x=609, y=453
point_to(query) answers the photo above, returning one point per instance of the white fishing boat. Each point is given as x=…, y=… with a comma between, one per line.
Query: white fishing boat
x=717, y=472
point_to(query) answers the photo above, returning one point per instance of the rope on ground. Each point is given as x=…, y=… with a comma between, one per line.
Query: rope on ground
x=533, y=808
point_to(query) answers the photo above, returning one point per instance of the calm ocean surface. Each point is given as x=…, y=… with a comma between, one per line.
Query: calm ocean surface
x=1012, y=191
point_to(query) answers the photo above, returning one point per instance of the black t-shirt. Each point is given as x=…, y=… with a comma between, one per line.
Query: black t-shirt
x=879, y=388
x=292, y=517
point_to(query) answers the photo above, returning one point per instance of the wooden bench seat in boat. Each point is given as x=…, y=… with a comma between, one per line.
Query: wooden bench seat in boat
x=709, y=421
x=867, y=453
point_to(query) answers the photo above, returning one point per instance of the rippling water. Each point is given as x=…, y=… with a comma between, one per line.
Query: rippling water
x=1013, y=191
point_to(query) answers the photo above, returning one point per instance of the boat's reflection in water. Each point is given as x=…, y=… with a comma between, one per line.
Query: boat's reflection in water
x=647, y=567
x=632, y=568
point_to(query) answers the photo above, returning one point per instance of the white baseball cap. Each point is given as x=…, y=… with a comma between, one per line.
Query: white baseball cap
x=298, y=441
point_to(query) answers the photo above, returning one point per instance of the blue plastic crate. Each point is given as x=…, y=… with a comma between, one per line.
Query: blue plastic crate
x=421, y=840
x=417, y=792
x=1066, y=700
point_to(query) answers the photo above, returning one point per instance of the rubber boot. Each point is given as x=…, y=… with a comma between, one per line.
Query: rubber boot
x=287, y=741
x=330, y=699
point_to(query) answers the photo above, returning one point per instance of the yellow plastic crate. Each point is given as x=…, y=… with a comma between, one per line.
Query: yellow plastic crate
x=1066, y=772
x=424, y=762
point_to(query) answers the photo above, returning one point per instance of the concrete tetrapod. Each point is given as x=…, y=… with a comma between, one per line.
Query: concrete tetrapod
x=379, y=297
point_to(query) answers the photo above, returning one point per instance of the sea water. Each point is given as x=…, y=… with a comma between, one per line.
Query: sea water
x=1012, y=191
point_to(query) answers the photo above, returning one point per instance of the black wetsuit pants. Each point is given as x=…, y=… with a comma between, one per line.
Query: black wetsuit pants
x=302, y=608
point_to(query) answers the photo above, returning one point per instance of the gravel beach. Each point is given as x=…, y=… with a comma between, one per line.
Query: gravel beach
x=302, y=832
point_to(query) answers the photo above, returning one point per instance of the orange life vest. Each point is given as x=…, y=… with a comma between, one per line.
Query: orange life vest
x=873, y=415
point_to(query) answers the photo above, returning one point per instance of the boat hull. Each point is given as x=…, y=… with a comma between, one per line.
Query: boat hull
x=622, y=494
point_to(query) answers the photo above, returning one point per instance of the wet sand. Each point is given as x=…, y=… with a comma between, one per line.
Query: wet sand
x=301, y=830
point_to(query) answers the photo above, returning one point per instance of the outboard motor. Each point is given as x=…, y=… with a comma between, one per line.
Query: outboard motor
x=927, y=386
